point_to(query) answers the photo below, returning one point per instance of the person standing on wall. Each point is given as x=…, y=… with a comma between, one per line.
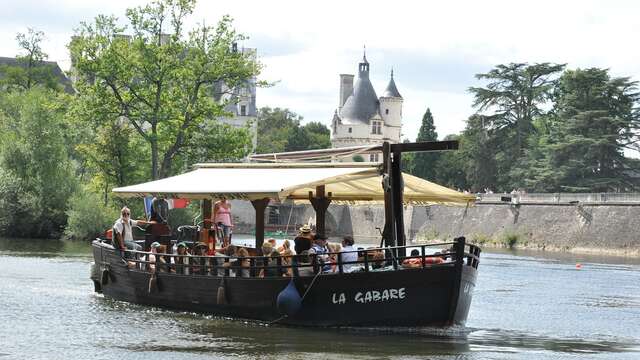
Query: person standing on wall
x=222, y=220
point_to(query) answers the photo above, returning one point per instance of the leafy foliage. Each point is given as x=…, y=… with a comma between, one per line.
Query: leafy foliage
x=37, y=176
x=162, y=83
x=88, y=215
x=424, y=164
x=30, y=69
x=280, y=130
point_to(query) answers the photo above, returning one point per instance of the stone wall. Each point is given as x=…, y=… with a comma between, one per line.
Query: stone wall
x=606, y=229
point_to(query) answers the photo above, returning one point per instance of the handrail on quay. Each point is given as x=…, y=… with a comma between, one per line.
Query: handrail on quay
x=559, y=198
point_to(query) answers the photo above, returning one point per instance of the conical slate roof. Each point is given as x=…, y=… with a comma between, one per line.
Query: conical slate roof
x=391, y=90
x=363, y=102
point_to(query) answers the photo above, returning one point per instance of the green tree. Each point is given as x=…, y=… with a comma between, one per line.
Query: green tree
x=313, y=135
x=162, y=83
x=274, y=128
x=424, y=163
x=280, y=130
x=450, y=169
x=30, y=69
x=594, y=121
x=37, y=177
x=514, y=96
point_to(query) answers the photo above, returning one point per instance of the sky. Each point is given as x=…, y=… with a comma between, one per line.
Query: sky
x=435, y=48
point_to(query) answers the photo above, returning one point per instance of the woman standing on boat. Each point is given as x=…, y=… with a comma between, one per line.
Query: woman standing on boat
x=222, y=220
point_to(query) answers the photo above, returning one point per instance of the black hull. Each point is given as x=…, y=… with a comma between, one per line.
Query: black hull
x=433, y=296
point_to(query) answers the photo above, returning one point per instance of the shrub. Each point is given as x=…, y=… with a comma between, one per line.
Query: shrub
x=88, y=216
x=481, y=239
x=510, y=239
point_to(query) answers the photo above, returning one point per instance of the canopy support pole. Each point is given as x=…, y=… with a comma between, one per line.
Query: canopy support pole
x=320, y=204
x=206, y=214
x=388, y=233
x=260, y=205
x=396, y=195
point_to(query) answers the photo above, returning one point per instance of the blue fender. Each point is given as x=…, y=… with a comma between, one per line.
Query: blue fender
x=289, y=300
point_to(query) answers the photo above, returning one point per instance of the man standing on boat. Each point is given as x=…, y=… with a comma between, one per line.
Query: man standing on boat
x=304, y=239
x=320, y=249
x=123, y=232
x=222, y=220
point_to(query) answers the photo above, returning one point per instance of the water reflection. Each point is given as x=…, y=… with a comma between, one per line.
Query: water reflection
x=44, y=247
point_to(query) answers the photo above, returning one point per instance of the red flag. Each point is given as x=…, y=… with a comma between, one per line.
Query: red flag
x=178, y=203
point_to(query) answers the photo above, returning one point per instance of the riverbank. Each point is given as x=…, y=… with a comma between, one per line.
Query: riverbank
x=599, y=229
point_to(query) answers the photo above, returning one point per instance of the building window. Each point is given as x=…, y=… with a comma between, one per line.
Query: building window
x=374, y=157
x=386, y=112
x=376, y=127
x=243, y=110
x=350, y=130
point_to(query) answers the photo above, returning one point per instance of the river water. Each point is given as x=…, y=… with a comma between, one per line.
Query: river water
x=525, y=305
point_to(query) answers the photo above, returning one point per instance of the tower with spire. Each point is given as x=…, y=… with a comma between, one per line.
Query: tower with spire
x=363, y=118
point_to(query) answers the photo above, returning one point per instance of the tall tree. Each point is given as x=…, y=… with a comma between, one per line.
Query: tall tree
x=162, y=83
x=450, y=169
x=274, y=129
x=595, y=120
x=478, y=145
x=313, y=135
x=280, y=130
x=30, y=68
x=36, y=176
x=424, y=163
x=514, y=96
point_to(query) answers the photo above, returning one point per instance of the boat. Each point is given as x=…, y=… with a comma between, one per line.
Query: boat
x=385, y=286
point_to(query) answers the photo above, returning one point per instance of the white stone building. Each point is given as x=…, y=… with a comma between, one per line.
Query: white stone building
x=241, y=103
x=363, y=118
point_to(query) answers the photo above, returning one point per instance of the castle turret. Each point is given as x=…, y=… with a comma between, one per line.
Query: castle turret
x=391, y=105
x=363, y=103
x=346, y=88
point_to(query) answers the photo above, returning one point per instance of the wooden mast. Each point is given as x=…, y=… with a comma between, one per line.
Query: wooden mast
x=260, y=205
x=320, y=204
x=389, y=232
x=393, y=186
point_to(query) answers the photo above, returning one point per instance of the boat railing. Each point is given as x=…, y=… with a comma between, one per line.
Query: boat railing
x=456, y=253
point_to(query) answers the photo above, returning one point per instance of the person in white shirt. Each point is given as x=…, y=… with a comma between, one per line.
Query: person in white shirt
x=349, y=254
x=123, y=232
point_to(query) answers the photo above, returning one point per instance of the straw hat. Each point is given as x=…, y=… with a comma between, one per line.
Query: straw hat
x=305, y=229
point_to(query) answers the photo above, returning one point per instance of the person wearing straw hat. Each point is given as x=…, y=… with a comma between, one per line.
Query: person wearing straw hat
x=303, y=240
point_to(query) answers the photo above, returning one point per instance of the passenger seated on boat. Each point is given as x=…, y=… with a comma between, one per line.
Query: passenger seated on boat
x=286, y=245
x=156, y=262
x=200, y=263
x=304, y=239
x=334, y=249
x=320, y=250
x=377, y=259
x=305, y=267
x=241, y=265
x=287, y=256
x=349, y=254
x=416, y=260
x=181, y=261
x=123, y=233
x=413, y=261
x=219, y=259
x=270, y=261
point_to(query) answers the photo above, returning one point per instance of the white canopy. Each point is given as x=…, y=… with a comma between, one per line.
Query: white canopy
x=346, y=182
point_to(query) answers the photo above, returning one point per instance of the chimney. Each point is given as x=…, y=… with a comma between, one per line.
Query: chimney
x=346, y=88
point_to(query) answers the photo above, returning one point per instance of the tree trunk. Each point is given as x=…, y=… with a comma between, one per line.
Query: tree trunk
x=154, y=157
